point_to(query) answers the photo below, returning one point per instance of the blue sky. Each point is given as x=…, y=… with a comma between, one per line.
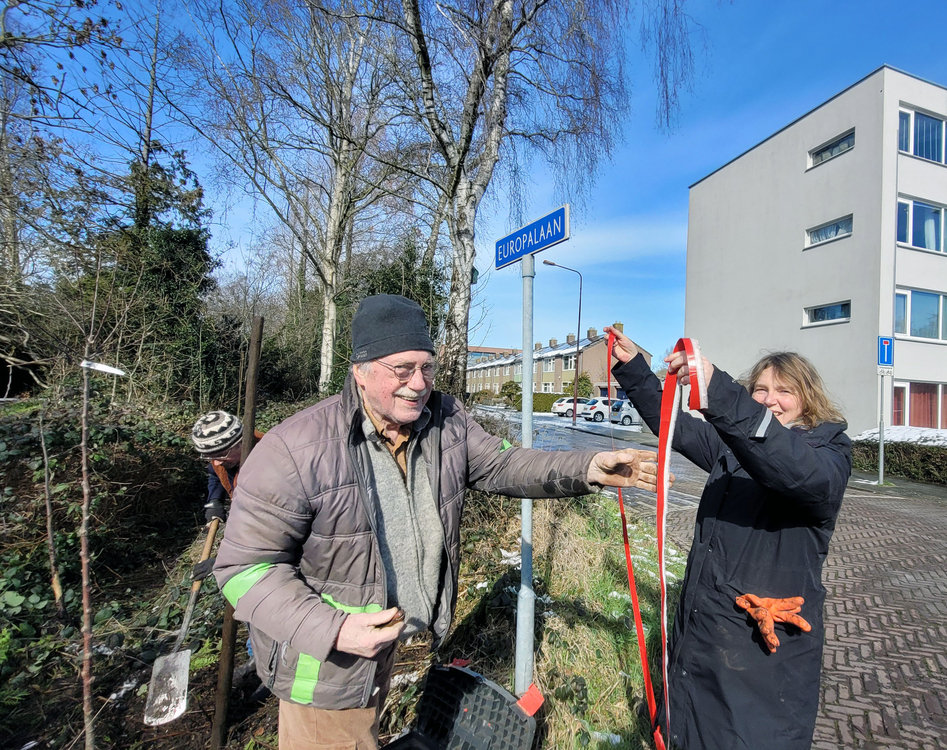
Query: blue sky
x=759, y=66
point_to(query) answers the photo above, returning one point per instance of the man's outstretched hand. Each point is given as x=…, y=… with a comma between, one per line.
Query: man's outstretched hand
x=625, y=468
x=766, y=612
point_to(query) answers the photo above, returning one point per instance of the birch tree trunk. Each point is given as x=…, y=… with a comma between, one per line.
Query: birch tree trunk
x=548, y=73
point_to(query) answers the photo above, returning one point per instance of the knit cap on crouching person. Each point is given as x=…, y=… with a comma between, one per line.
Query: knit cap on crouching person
x=216, y=432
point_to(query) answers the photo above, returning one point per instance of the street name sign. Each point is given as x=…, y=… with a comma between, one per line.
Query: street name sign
x=541, y=234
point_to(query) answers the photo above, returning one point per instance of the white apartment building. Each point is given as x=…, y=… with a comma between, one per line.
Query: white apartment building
x=827, y=235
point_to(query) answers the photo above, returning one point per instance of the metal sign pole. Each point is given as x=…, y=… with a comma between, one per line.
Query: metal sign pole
x=881, y=434
x=521, y=245
x=526, y=601
x=885, y=367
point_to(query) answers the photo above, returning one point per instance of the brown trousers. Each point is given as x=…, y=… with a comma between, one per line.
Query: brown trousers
x=309, y=728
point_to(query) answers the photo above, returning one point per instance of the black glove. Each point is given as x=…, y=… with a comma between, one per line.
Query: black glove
x=214, y=509
x=201, y=570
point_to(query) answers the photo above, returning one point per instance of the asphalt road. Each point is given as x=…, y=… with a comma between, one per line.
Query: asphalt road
x=884, y=677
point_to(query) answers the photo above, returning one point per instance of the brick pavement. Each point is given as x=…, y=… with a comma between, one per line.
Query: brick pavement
x=884, y=678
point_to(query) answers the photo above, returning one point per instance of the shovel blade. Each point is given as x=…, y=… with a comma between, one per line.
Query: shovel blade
x=167, y=692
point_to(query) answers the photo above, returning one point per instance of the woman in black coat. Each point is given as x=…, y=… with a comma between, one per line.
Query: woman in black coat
x=779, y=461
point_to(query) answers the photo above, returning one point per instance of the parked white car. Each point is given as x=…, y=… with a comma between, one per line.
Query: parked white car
x=595, y=409
x=563, y=406
x=622, y=412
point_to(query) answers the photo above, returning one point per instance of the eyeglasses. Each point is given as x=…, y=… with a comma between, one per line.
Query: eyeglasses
x=404, y=373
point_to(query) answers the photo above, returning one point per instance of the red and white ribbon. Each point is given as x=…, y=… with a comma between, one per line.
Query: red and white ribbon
x=670, y=406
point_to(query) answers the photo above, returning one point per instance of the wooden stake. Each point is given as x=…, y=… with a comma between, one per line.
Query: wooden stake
x=229, y=635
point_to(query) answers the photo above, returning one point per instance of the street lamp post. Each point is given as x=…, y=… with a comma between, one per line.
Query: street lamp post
x=578, y=338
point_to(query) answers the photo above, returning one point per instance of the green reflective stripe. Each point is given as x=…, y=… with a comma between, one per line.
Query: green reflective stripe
x=350, y=610
x=305, y=679
x=307, y=668
x=504, y=445
x=241, y=583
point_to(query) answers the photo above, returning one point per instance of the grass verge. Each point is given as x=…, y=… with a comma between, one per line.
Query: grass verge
x=586, y=651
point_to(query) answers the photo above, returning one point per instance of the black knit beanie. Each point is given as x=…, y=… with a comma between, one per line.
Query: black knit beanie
x=386, y=324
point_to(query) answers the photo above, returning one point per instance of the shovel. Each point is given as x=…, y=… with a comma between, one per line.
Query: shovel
x=167, y=692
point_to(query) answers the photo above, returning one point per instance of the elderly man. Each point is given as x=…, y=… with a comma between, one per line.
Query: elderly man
x=344, y=534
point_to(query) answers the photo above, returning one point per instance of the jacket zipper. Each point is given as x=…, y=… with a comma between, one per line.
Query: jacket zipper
x=448, y=593
x=273, y=664
x=370, y=512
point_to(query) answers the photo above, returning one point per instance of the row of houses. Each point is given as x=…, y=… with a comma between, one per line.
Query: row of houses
x=554, y=365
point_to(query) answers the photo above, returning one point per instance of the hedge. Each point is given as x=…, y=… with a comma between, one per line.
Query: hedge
x=925, y=463
x=541, y=401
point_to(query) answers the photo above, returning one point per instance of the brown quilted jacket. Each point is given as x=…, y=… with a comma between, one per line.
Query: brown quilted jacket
x=300, y=552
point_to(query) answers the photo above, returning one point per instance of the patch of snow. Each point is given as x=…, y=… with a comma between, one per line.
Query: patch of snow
x=611, y=739
x=870, y=482
x=126, y=687
x=404, y=679
x=483, y=585
x=900, y=434
x=509, y=558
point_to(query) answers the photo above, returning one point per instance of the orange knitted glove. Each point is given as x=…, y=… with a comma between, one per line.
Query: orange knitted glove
x=766, y=612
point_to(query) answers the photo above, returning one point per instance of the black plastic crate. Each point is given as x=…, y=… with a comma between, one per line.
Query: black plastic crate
x=462, y=710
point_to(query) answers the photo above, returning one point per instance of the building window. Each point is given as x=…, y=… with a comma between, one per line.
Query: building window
x=925, y=314
x=904, y=131
x=921, y=135
x=839, y=146
x=568, y=363
x=535, y=366
x=547, y=387
x=919, y=225
x=921, y=314
x=925, y=139
x=834, y=229
x=840, y=312
x=567, y=386
x=928, y=137
x=920, y=405
x=897, y=407
x=506, y=370
x=549, y=365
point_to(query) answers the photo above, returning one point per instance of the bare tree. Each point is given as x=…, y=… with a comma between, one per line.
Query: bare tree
x=295, y=92
x=547, y=72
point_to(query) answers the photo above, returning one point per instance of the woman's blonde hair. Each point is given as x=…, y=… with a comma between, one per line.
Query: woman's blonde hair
x=800, y=375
